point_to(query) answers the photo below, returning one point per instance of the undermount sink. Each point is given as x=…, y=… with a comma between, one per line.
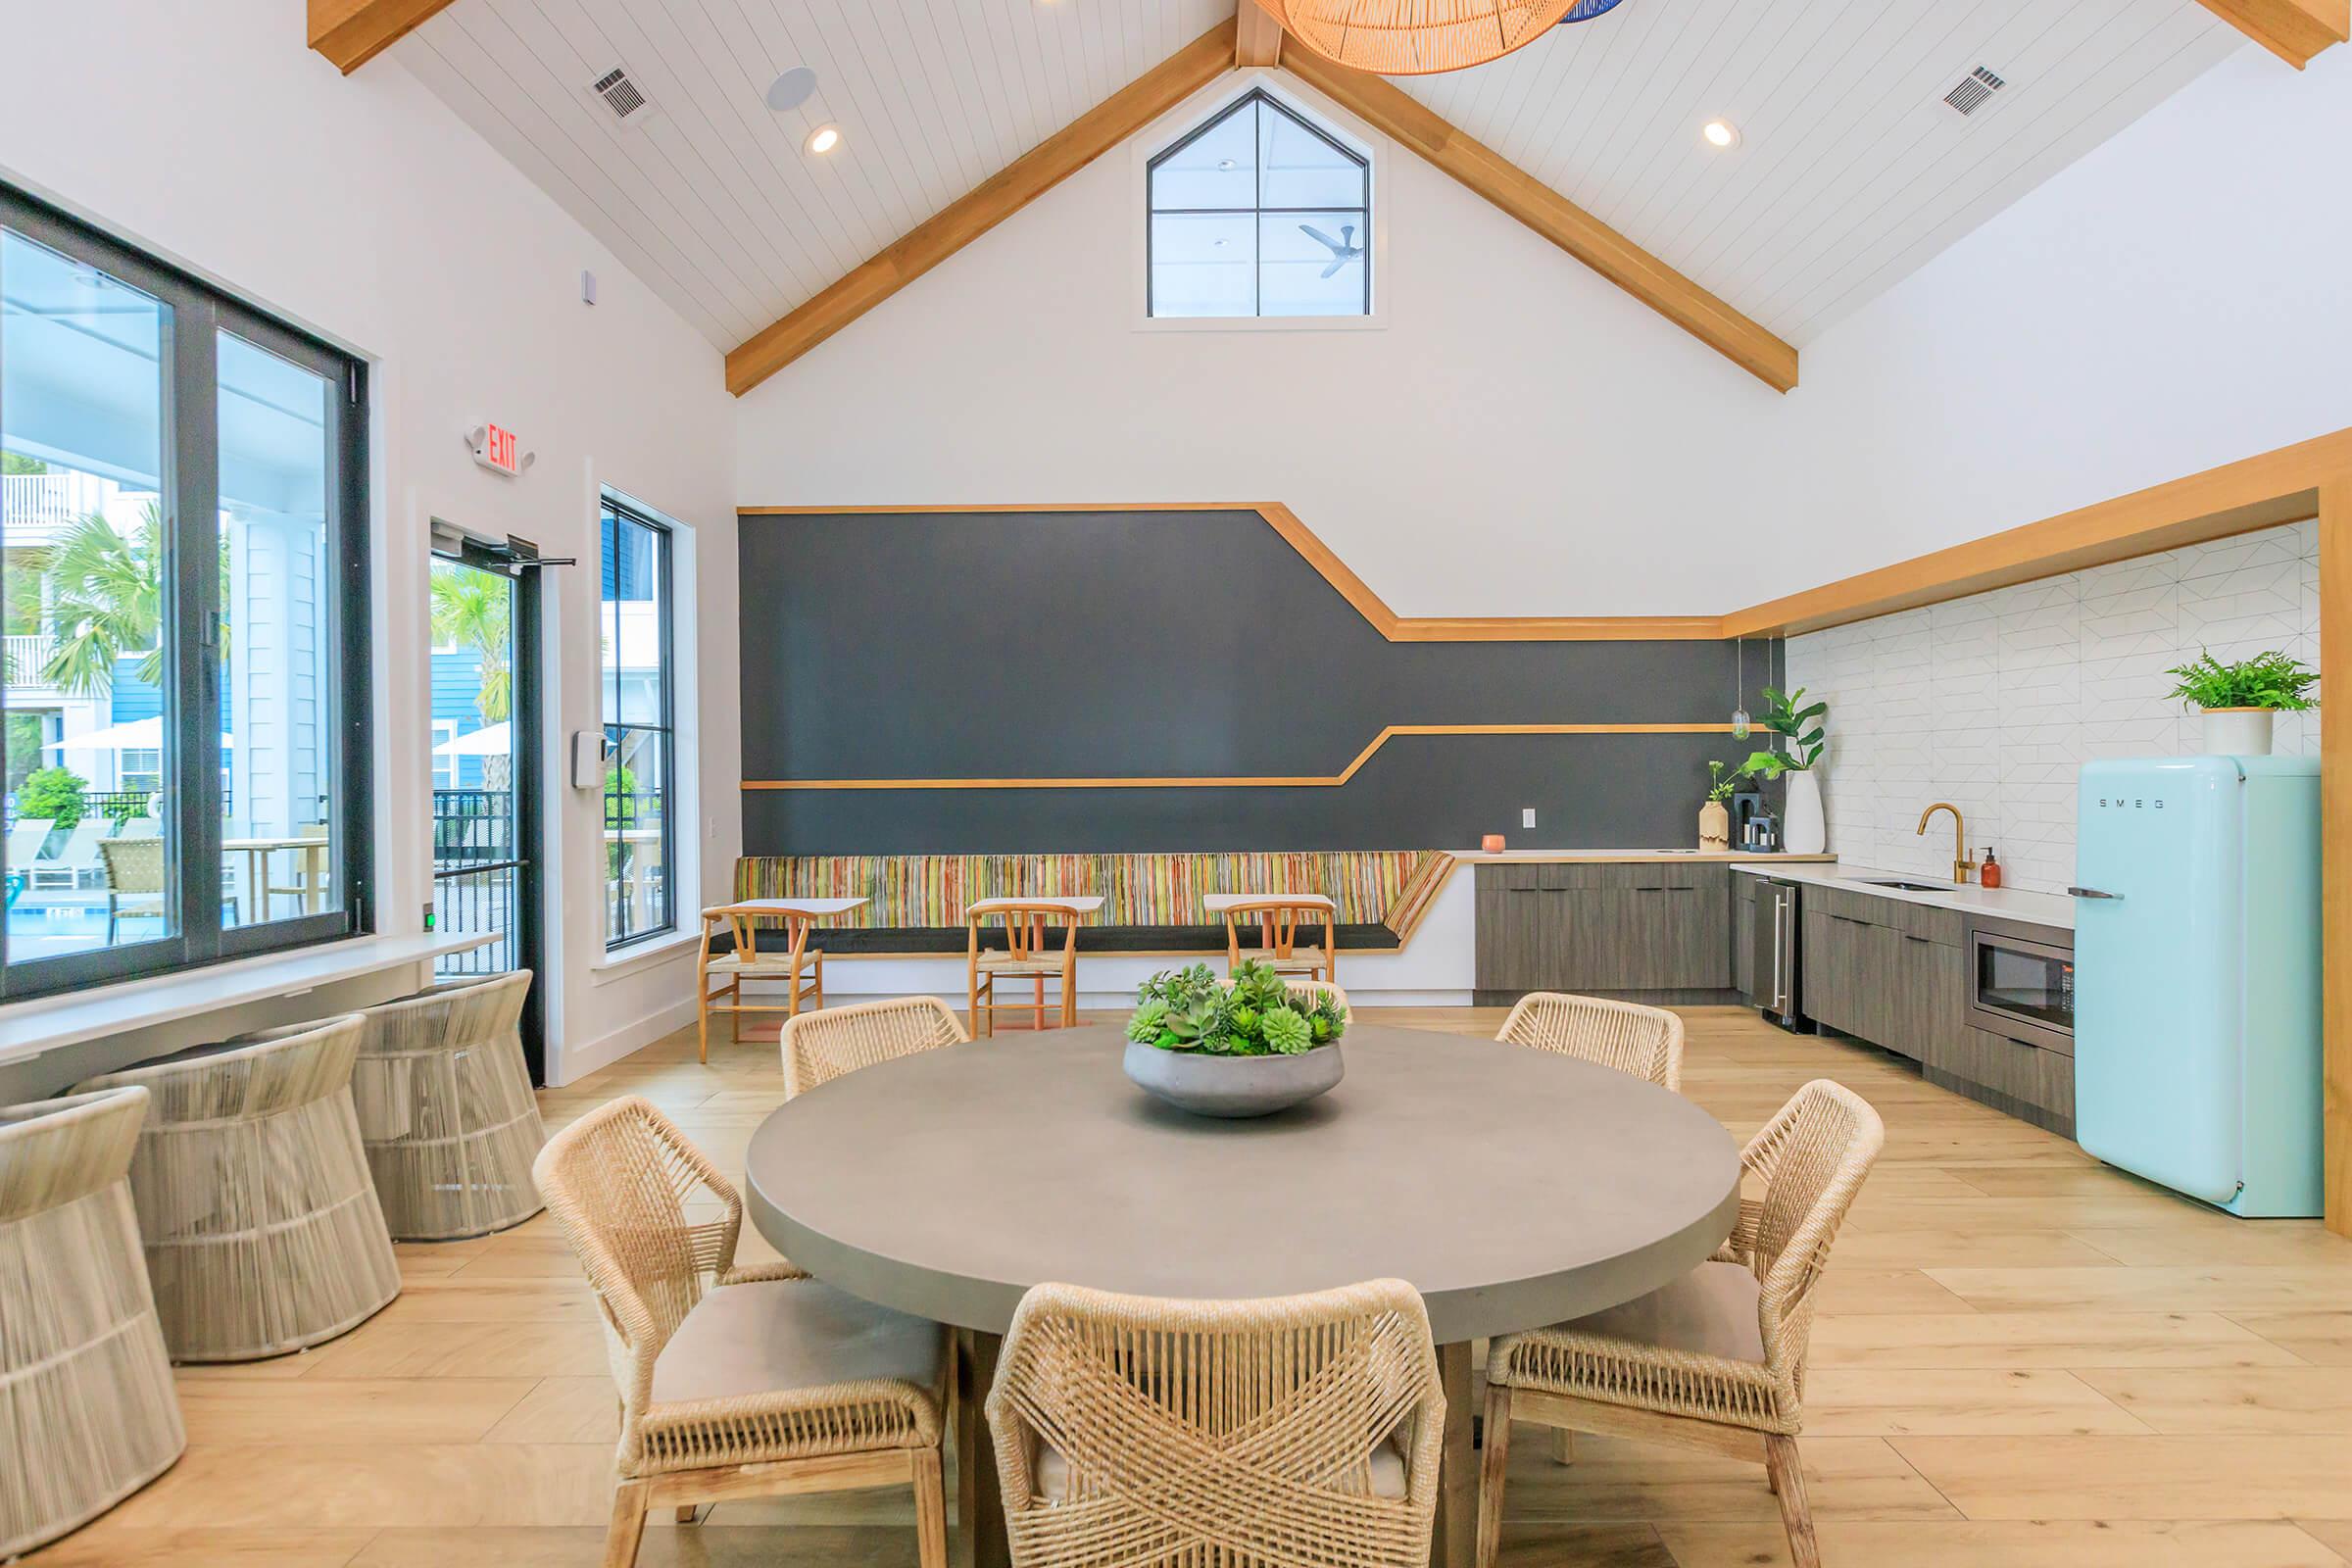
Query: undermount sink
x=1900, y=885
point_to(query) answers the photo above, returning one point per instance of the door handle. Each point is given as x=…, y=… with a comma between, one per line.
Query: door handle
x=2092, y=893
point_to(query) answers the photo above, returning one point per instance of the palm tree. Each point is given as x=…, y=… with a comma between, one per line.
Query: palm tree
x=104, y=595
x=470, y=612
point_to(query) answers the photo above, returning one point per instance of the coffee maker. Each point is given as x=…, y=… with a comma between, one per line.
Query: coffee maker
x=1755, y=828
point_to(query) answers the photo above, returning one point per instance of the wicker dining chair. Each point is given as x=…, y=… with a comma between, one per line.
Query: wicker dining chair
x=1647, y=1042
x=85, y=1387
x=734, y=1381
x=1289, y=1431
x=1278, y=918
x=819, y=1047
x=1024, y=956
x=1715, y=1360
x=262, y=1230
x=134, y=881
x=445, y=1109
x=744, y=959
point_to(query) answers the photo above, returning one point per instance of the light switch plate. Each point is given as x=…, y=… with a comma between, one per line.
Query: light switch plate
x=1527, y=817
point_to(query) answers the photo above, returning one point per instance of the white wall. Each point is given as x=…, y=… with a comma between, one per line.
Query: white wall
x=2175, y=300
x=1996, y=701
x=1517, y=437
x=365, y=210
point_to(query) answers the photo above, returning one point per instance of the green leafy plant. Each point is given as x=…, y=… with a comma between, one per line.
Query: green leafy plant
x=54, y=792
x=2271, y=680
x=1722, y=779
x=1801, y=734
x=1257, y=1015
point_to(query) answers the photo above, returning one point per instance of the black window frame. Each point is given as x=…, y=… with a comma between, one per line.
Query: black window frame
x=1256, y=96
x=196, y=315
x=616, y=510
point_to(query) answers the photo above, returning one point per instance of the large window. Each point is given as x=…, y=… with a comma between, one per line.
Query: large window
x=640, y=777
x=182, y=565
x=1258, y=212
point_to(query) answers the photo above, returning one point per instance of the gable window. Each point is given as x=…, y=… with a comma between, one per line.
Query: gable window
x=1259, y=213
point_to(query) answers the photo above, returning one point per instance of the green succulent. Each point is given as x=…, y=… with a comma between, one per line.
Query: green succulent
x=1149, y=1020
x=1244, y=1019
x=1287, y=1032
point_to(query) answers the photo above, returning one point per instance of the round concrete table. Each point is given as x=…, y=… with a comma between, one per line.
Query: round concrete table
x=1511, y=1186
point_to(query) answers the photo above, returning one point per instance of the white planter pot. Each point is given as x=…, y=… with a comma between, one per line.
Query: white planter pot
x=2237, y=731
x=1802, y=828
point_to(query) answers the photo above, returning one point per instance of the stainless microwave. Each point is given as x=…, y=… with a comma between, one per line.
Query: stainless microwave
x=2022, y=982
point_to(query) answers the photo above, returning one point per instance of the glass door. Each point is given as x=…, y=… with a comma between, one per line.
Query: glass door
x=484, y=730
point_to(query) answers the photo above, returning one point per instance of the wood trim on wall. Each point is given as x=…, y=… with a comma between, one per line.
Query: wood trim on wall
x=2335, y=849
x=988, y=204
x=352, y=32
x=2293, y=30
x=1238, y=781
x=1257, y=37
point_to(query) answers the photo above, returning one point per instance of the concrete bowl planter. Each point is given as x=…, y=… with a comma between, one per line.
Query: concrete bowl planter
x=1233, y=1085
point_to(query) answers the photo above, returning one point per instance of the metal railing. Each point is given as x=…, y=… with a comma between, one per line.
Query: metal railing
x=45, y=502
x=471, y=826
x=472, y=900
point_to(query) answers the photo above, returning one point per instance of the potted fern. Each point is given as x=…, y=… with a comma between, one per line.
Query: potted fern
x=2239, y=702
x=1245, y=1047
x=1802, y=728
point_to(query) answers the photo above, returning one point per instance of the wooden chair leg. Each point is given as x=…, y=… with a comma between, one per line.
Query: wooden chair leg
x=930, y=1509
x=1492, y=1465
x=1563, y=1445
x=1796, y=1514
x=821, y=982
x=628, y=1525
x=701, y=1030
x=689, y=1513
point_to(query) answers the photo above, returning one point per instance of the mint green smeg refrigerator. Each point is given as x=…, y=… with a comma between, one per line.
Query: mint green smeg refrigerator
x=2197, y=977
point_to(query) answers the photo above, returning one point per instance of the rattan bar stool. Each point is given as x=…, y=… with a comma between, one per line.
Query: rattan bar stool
x=445, y=1109
x=85, y=1387
x=1647, y=1042
x=263, y=1231
x=1716, y=1360
x=734, y=1381
x=819, y=1047
x=1291, y=1430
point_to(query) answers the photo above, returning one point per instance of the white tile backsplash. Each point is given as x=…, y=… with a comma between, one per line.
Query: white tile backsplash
x=1992, y=702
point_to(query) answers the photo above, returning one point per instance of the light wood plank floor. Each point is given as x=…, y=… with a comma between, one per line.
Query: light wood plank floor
x=2024, y=1358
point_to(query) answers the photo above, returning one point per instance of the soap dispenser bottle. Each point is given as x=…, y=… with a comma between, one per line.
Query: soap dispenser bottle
x=1989, y=876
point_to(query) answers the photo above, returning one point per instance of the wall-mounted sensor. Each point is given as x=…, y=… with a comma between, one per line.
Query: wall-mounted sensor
x=587, y=288
x=588, y=760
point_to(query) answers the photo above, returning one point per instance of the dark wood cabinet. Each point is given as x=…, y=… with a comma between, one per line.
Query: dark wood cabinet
x=1650, y=930
x=1872, y=968
x=2016, y=1076
x=1744, y=937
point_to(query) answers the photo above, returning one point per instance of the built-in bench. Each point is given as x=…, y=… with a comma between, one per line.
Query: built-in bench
x=1152, y=901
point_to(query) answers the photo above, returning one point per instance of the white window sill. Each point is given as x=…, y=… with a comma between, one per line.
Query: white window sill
x=633, y=959
x=1375, y=322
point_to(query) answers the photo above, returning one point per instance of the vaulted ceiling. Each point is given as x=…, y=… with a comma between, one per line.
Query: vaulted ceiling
x=1849, y=170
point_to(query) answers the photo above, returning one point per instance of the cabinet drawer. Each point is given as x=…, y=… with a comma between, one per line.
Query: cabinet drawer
x=2011, y=1075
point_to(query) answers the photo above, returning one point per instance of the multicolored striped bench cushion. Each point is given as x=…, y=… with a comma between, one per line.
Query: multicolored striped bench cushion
x=1391, y=888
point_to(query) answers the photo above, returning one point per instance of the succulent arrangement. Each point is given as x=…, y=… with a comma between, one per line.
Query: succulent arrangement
x=2272, y=681
x=1257, y=1016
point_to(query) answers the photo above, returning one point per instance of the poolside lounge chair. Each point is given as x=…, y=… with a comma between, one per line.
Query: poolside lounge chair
x=24, y=842
x=65, y=870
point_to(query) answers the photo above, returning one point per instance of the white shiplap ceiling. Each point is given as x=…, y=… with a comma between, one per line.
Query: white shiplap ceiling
x=1849, y=173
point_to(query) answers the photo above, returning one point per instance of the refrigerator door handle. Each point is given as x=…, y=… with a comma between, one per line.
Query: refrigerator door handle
x=2092, y=893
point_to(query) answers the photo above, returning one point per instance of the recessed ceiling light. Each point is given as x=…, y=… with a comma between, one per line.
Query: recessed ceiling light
x=823, y=139
x=791, y=89
x=1719, y=133
x=1227, y=163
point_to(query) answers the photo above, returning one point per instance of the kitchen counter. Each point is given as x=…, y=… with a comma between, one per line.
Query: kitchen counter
x=2034, y=909
x=1632, y=858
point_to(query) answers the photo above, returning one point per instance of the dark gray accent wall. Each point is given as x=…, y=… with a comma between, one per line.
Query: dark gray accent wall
x=963, y=645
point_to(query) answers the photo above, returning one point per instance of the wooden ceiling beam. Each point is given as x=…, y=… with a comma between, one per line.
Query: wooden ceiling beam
x=1257, y=37
x=993, y=200
x=1404, y=119
x=2293, y=30
x=352, y=32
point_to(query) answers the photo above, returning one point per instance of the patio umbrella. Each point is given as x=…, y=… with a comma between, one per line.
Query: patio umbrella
x=491, y=740
x=140, y=735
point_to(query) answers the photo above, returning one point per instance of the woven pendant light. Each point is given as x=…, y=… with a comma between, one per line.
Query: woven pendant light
x=1415, y=38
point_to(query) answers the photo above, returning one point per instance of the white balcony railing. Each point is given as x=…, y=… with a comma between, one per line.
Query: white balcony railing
x=21, y=659
x=37, y=505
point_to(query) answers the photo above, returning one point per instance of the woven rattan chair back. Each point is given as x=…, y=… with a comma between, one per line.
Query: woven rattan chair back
x=85, y=1389
x=134, y=865
x=819, y=1047
x=1218, y=1432
x=445, y=1109
x=617, y=1182
x=263, y=1231
x=1810, y=1160
x=1647, y=1042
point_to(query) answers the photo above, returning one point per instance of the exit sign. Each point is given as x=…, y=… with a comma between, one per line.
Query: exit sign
x=495, y=447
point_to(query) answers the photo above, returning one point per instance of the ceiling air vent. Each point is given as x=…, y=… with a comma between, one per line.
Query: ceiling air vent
x=620, y=93
x=1974, y=90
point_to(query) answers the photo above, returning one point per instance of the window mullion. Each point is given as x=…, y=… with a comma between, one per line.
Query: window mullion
x=192, y=616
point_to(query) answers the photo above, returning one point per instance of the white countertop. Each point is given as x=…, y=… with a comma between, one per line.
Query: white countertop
x=1626, y=856
x=28, y=1028
x=2035, y=909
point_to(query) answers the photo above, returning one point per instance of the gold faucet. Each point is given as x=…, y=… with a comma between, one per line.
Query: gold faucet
x=1964, y=870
